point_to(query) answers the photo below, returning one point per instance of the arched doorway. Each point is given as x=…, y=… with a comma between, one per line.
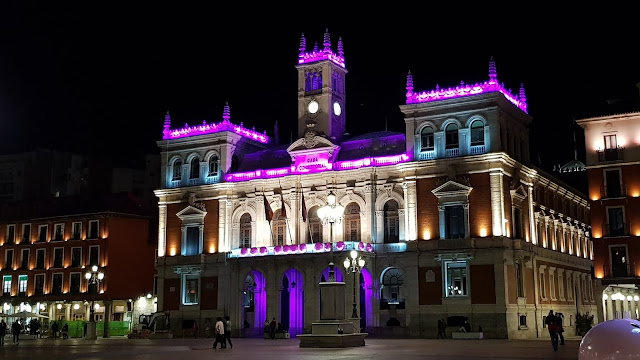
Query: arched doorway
x=292, y=302
x=254, y=304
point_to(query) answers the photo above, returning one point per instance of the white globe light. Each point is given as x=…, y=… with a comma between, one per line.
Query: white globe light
x=100, y=276
x=87, y=276
x=354, y=254
x=629, y=297
x=94, y=268
x=59, y=306
x=361, y=262
x=331, y=198
x=619, y=296
x=636, y=298
x=76, y=306
x=313, y=107
x=605, y=296
x=347, y=263
x=97, y=306
x=149, y=296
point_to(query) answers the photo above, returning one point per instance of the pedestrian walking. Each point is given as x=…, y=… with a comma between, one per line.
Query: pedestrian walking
x=227, y=330
x=442, y=326
x=560, y=317
x=15, y=331
x=219, y=334
x=3, y=331
x=552, y=325
x=54, y=330
x=65, y=331
x=195, y=329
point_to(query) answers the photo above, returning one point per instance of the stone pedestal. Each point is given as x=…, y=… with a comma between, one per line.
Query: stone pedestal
x=333, y=330
x=92, y=333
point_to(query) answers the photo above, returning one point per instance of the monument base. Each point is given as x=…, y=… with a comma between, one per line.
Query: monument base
x=332, y=334
x=92, y=333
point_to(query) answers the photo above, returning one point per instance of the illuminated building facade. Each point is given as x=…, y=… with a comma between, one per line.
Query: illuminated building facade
x=46, y=249
x=450, y=217
x=613, y=152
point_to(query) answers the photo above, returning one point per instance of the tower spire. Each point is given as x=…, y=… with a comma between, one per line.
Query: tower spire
x=340, y=49
x=409, y=83
x=327, y=41
x=315, y=47
x=522, y=96
x=167, y=124
x=303, y=45
x=493, y=73
x=226, y=113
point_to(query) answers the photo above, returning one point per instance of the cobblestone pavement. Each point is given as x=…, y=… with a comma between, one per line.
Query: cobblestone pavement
x=174, y=349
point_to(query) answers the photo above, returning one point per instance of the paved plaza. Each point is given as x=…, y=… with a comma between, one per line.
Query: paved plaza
x=397, y=349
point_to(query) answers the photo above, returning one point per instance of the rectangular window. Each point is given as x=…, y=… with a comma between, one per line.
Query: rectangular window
x=42, y=233
x=40, y=256
x=613, y=187
x=74, y=283
x=619, y=261
x=58, y=257
x=523, y=321
x=93, y=229
x=94, y=255
x=76, y=257
x=8, y=259
x=76, y=231
x=11, y=234
x=58, y=232
x=456, y=278
x=56, y=284
x=520, y=279
x=22, y=284
x=454, y=222
x=39, y=284
x=517, y=223
x=190, y=289
x=610, y=142
x=26, y=233
x=24, y=259
x=543, y=289
x=616, y=225
x=192, y=243
x=6, y=285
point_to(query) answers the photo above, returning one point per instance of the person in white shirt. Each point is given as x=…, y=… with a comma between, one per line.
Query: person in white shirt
x=219, y=335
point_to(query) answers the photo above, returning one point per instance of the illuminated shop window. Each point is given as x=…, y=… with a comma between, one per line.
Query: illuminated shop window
x=190, y=289
x=456, y=278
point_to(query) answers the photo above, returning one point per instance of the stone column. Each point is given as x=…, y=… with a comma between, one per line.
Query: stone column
x=410, y=200
x=379, y=226
x=402, y=225
x=497, y=203
x=443, y=232
x=632, y=307
x=222, y=224
x=67, y=312
x=294, y=217
x=107, y=317
x=369, y=230
x=610, y=314
x=618, y=309
x=162, y=235
x=226, y=247
x=625, y=306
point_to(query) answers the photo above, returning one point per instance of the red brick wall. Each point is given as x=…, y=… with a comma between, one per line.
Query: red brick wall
x=529, y=285
x=210, y=232
x=430, y=292
x=171, y=298
x=209, y=294
x=174, y=229
x=512, y=284
x=480, y=205
x=427, y=203
x=506, y=191
x=483, y=284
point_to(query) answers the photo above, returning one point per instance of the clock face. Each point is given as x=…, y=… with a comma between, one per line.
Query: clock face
x=337, y=109
x=313, y=107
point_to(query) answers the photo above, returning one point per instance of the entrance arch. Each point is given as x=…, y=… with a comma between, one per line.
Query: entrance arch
x=292, y=302
x=254, y=302
x=366, y=294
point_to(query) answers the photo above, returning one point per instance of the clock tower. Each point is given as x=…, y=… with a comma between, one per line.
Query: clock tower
x=321, y=89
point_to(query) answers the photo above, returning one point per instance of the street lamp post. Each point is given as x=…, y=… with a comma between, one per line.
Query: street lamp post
x=94, y=277
x=331, y=213
x=354, y=266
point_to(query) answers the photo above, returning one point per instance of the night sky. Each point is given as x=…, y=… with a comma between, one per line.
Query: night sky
x=100, y=80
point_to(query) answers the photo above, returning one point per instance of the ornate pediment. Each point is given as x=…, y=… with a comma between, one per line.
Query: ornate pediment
x=312, y=153
x=191, y=214
x=451, y=189
x=188, y=269
x=519, y=193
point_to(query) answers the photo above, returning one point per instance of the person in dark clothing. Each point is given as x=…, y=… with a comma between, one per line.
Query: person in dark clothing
x=227, y=330
x=54, y=330
x=272, y=328
x=560, y=318
x=552, y=325
x=442, y=326
x=15, y=331
x=3, y=331
x=65, y=331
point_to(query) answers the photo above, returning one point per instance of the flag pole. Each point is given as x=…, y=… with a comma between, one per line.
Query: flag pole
x=286, y=218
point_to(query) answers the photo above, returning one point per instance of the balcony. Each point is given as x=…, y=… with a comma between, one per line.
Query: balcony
x=212, y=179
x=175, y=183
x=427, y=155
x=616, y=229
x=606, y=155
x=452, y=152
x=611, y=271
x=477, y=149
x=194, y=182
x=612, y=192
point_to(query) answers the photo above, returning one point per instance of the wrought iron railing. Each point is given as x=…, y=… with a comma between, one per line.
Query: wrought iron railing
x=616, y=229
x=608, y=192
x=610, y=154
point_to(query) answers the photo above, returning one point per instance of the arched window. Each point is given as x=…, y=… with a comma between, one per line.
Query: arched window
x=245, y=231
x=392, y=282
x=213, y=166
x=177, y=170
x=352, y=222
x=279, y=228
x=426, y=139
x=451, y=136
x=194, y=168
x=391, y=222
x=315, y=225
x=477, y=133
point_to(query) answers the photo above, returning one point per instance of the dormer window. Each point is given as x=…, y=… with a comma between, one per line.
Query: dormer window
x=213, y=166
x=194, y=168
x=451, y=136
x=477, y=133
x=177, y=170
x=426, y=139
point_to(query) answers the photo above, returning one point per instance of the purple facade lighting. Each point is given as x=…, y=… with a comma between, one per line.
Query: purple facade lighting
x=463, y=90
x=318, y=55
x=224, y=125
x=340, y=165
x=337, y=273
x=301, y=249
